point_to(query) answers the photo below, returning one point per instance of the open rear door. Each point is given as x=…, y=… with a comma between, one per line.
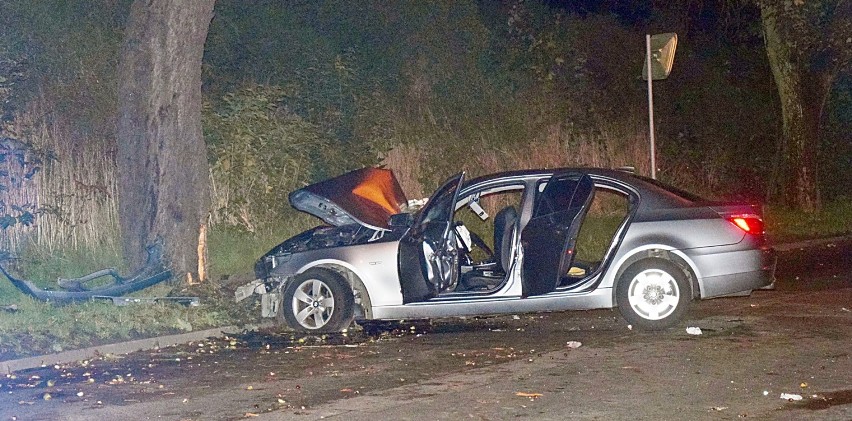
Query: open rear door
x=549, y=237
x=428, y=252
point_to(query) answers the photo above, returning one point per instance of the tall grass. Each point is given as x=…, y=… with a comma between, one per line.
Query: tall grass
x=75, y=196
x=415, y=161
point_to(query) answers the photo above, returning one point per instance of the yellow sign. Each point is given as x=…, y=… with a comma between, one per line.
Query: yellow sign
x=663, y=48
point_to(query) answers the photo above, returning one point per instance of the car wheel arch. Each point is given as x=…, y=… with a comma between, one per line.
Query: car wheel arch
x=359, y=290
x=662, y=254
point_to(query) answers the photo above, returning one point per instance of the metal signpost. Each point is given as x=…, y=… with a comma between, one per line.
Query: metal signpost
x=659, y=57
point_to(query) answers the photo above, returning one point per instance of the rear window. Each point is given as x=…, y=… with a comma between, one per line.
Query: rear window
x=683, y=194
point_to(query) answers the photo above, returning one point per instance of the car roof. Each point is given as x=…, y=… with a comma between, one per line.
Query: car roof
x=653, y=193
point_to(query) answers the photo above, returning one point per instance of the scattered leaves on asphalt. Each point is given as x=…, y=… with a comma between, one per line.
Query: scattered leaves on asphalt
x=532, y=396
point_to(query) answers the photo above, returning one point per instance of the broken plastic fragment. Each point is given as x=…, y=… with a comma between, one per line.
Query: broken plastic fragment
x=573, y=344
x=528, y=395
x=791, y=397
x=693, y=330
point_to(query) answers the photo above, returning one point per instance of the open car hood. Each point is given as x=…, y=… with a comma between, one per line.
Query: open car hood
x=367, y=197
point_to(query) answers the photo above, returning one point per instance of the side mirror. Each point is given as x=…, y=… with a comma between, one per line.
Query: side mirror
x=401, y=220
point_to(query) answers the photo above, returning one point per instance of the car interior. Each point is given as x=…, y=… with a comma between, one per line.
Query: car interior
x=605, y=218
x=487, y=243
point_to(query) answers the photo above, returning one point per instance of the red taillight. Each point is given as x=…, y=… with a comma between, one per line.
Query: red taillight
x=750, y=224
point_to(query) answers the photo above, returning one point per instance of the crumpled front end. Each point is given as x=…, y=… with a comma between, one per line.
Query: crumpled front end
x=344, y=245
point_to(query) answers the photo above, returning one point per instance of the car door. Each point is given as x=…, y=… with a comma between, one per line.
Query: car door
x=428, y=252
x=549, y=237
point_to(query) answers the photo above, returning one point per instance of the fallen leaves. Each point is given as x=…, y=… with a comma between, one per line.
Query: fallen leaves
x=530, y=395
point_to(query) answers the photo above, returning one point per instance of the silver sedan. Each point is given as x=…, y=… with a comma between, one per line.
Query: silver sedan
x=512, y=242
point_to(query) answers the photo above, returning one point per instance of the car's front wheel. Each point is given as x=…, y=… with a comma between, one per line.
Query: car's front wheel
x=318, y=301
x=653, y=294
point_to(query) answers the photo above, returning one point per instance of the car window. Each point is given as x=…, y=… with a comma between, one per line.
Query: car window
x=685, y=195
x=491, y=202
x=607, y=213
x=440, y=205
x=556, y=194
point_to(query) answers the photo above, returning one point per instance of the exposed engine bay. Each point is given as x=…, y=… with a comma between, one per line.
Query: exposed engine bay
x=320, y=238
x=327, y=236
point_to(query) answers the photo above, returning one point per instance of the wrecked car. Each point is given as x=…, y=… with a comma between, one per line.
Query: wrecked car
x=512, y=242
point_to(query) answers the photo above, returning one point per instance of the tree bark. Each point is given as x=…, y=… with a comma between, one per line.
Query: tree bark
x=800, y=108
x=161, y=153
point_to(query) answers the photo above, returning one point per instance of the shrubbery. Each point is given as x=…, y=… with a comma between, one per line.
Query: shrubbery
x=258, y=152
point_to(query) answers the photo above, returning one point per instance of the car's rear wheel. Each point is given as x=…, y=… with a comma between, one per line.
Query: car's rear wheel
x=318, y=301
x=653, y=294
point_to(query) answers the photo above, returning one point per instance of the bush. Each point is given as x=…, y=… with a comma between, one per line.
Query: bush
x=258, y=152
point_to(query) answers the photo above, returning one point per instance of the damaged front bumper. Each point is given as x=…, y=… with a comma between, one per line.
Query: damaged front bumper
x=269, y=291
x=77, y=289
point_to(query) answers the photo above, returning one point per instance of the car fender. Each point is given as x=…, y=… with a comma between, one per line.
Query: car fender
x=379, y=278
x=646, y=251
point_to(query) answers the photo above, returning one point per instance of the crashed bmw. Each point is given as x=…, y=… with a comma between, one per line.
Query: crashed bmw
x=512, y=242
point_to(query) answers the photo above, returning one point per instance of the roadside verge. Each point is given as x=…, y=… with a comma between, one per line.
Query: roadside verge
x=65, y=357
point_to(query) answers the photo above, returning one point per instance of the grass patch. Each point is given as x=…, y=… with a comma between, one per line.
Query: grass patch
x=32, y=327
x=233, y=251
x=44, y=267
x=784, y=224
x=37, y=327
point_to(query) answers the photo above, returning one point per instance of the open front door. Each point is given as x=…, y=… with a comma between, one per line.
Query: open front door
x=549, y=237
x=428, y=252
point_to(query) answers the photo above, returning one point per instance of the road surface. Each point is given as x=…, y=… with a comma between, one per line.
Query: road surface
x=795, y=340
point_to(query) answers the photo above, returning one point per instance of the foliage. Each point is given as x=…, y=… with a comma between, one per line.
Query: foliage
x=19, y=162
x=259, y=152
x=836, y=151
x=67, y=50
x=57, y=85
x=297, y=49
x=787, y=224
x=233, y=251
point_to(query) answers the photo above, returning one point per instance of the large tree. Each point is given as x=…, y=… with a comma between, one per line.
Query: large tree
x=808, y=43
x=161, y=154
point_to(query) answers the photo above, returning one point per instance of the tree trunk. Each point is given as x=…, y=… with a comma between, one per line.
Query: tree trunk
x=162, y=158
x=800, y=108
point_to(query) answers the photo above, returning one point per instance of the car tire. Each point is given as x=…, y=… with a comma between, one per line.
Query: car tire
x=653, y=294
x=318, y=301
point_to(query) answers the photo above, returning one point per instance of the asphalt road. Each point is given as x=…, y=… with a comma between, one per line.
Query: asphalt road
x=794, y=340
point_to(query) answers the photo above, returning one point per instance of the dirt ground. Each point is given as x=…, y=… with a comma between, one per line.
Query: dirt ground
x=794, y=340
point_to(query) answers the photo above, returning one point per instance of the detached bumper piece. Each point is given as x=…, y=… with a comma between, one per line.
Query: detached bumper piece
x=270, y=295
x=75, y=290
